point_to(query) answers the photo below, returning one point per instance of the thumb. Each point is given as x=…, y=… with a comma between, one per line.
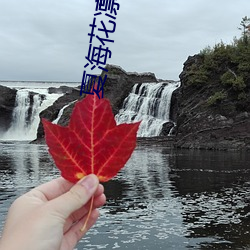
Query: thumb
x=76, y=197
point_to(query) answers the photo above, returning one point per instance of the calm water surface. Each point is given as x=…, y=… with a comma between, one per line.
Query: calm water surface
x=161, y=200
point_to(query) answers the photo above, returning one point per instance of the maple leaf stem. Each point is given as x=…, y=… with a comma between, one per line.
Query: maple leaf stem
x=84, y=228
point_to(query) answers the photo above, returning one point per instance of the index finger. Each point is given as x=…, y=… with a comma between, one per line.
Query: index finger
x=54, y=188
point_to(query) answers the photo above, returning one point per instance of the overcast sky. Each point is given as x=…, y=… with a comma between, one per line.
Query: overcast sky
x=48, y=39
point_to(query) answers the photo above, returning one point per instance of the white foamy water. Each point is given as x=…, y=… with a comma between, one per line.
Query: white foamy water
x=25, y=117
x=61, y=112
x=149, y=103
x=37, y=84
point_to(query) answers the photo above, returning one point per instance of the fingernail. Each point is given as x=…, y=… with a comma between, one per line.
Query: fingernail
x=89, y=182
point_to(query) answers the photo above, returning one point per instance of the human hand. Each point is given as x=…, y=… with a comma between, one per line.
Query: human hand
x=50, y=216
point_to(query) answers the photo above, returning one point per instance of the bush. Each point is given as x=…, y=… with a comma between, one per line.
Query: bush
x=206, y=51
x=223, y=53
x=197, y=75
x=216, y=98
x=239, y=84
x=234, y=81
x=244, y=70
x=210, y=64
x=228, y=78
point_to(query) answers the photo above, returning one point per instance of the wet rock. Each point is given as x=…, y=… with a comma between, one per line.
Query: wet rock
x=60, y=90
x=242, y=116
x=7, y=105
x=166, y=128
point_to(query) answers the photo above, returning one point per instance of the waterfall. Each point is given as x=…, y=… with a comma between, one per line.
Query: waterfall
x=149, y=103
x=61, y=112
x=25, y=117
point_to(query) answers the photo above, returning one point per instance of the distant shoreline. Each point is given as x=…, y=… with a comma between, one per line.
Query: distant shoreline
x=36, y=81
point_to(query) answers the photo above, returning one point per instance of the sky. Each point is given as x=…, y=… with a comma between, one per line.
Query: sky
x=47, y=40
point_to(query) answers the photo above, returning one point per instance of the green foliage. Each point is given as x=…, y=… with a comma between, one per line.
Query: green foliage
x=228, y=78
x=239, y=84
x=197, y=75
x=232, y=80
x=241, y=58
x=244, y=67
x=210, y=65
x=216, y=98
x=245, y=23
x=226, y=67
x=206, y=51
x=222, y=53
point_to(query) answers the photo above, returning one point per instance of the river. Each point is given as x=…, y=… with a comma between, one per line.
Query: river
x=162, y=199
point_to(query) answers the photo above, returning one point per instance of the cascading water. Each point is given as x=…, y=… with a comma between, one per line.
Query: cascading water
x=25, y=117
x=20, y=112
x=149, y=103
x=61, y=112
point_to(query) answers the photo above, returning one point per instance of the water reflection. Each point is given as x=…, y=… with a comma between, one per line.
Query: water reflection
x=142, y=209
x=26, y=164
x=22, y=167
x=214, y=187
x=160, y=200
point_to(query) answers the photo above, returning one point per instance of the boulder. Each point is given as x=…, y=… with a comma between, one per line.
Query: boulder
x=7, y=105
x=166, y=128
x=60, y=90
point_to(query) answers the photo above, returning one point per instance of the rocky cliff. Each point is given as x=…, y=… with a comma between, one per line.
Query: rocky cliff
x=209, y=114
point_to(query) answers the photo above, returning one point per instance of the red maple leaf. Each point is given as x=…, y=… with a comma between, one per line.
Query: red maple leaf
x=92, y=143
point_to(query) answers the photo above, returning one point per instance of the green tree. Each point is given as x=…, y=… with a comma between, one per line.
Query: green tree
x=245, y=28
x=216, y=98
